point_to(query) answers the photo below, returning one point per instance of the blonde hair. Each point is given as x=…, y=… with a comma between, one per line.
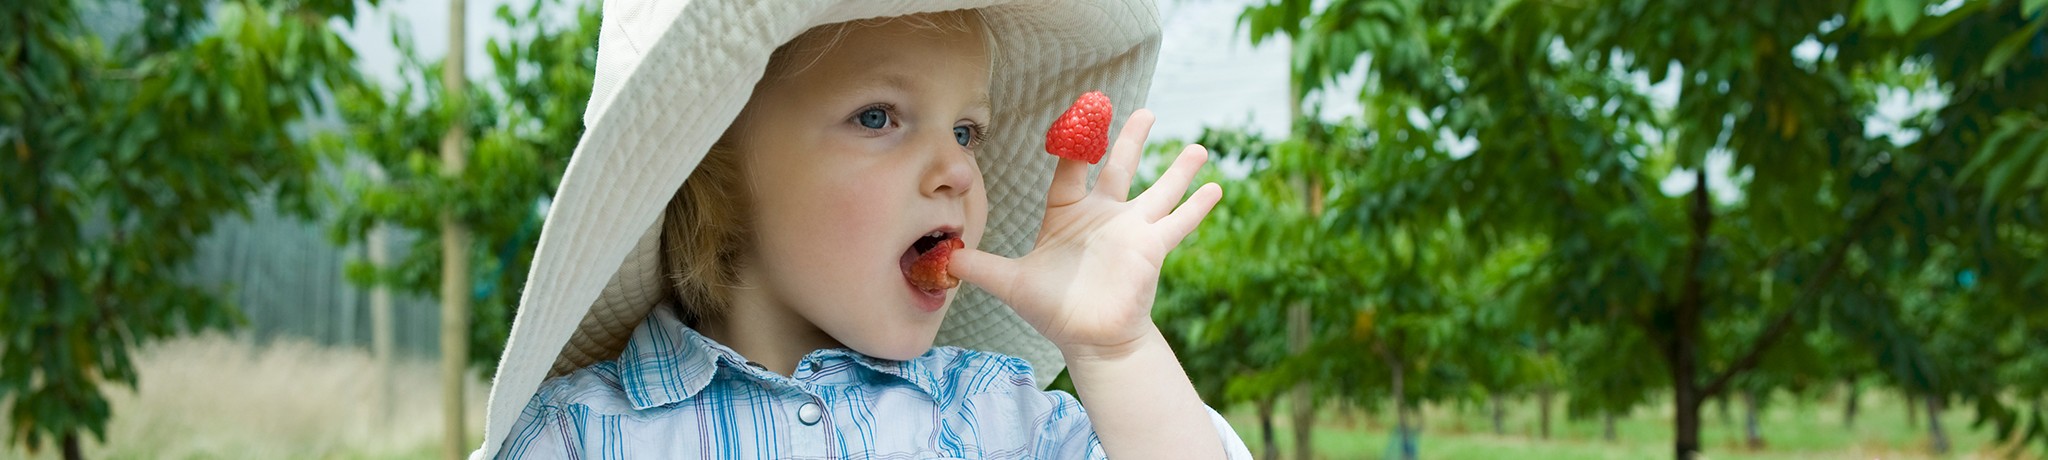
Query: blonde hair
x=704, y=228
x=702, y=232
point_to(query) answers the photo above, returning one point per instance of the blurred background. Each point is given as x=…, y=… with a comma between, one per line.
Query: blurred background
x=1453, y=229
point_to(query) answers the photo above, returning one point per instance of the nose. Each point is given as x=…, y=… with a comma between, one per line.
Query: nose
x=950, y=169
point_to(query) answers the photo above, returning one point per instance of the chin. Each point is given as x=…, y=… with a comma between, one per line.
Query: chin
x=898, y=348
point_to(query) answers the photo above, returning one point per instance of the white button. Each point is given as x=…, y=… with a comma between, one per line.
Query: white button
x=809, y=413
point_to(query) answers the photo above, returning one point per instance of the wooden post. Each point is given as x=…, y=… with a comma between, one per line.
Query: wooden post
x=381, y=341
x=1298, y=330
x=455, y=289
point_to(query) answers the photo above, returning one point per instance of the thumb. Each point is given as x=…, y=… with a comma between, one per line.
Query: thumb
x=993, y=273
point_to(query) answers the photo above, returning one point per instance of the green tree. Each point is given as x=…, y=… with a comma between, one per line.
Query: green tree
x=125, y=140
x=1394, y=309
x=1571, y=148
x=1227, y=324
x=525, y=121
x=1244, y=324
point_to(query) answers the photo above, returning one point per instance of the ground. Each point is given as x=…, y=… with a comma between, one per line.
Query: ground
x=221, y=397
x=1792, y=429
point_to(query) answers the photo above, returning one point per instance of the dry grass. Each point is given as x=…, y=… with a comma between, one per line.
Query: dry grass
x=219, y=397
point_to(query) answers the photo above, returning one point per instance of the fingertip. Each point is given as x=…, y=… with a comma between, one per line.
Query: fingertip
x=1138, y=125
x=967, y=263
x=1195, y=153
x=964, y=256
x=1210, y=193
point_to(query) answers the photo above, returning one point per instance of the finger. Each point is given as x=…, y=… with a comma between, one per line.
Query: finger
x=1166, y=193
x=1115, y=179
x=1177, y=226
x=1069, y=183
x=993, y=273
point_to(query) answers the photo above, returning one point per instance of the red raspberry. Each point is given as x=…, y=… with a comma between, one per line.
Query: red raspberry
x=929, y=271
x=1082, y=133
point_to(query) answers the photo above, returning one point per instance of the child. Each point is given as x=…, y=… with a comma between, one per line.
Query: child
x=782, y=319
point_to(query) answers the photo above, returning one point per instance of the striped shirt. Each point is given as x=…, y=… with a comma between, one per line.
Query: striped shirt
x=674, y=393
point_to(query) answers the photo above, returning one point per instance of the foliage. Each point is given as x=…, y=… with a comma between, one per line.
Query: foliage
x=128, y=129
x=1542, y=123
x=526, y=123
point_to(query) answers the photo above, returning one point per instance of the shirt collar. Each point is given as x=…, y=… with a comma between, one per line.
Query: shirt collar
x=666, y=362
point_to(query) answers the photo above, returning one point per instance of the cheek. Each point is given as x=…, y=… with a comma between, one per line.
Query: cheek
x=833, y=230
x=977, y=214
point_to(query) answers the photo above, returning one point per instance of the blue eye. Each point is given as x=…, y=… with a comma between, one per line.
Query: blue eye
x=963, y=135
x=873, y=118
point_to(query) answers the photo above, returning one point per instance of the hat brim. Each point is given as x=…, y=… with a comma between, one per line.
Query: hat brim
x=595, y=273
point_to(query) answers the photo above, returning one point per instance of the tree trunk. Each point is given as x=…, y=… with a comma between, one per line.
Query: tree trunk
x=1499, y=412
x=1607, y=428
x=1688, y=424
x=1934, y=431
x=1751, y=432
x=455, y=287
x=1272, y=449
x=1681, y=350
x=69, y=444
x=1543, y=396
x=1727, y=415
x=1912, y=411
x=1303, y=405
x=1849, y=404
x=1404, y=445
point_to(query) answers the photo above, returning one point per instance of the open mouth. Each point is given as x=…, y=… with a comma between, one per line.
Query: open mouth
x=924, y=262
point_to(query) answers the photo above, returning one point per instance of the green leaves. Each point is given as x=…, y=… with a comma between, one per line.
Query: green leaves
x=1789, y=202
x=525, y=124
x=2013, y=161
x=1896, y=15
x=2013, y=44
x=120, y=152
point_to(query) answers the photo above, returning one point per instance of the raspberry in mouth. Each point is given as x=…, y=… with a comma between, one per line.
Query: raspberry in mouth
x=924, y=263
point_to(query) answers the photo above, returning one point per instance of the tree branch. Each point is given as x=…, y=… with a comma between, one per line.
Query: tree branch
x=1809, y=294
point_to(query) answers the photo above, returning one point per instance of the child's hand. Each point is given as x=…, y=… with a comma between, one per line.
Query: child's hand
x=1088, y=285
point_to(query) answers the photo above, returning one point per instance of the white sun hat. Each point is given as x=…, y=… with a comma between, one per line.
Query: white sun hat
x=672, y=75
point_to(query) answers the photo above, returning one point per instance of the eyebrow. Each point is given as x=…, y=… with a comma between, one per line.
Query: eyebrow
x=902, y=82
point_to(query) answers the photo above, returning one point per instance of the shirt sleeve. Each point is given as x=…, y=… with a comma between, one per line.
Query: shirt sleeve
x=1233, y=445
x=1067, y=431
x=1070, y=422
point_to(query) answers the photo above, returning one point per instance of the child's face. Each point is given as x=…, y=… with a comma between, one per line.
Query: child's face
x=852, y=159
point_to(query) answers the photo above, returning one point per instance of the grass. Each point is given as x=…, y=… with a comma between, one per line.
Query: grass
x=220, y=397
x=1791, y=430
